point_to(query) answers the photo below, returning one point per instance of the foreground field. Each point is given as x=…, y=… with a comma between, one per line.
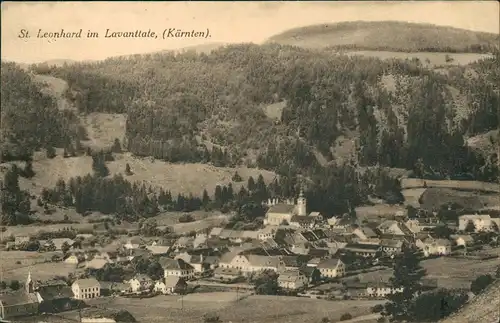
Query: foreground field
x=256, y=308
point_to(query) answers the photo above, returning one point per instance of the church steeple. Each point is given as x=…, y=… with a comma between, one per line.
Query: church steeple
x=29, y=284
x=301, y=203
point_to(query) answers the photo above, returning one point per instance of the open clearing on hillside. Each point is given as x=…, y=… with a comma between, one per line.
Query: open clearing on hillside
x=426, y=58
x=459, y=185
x=178, y=178
x=273, y=111
x=255, y=308
x=104, y=128
x=433, y=198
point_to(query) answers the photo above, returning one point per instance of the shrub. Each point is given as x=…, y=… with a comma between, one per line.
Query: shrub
x=378, y=308
x=480, y=283
x=211, y=318
x=346, y=316
x=186, y=218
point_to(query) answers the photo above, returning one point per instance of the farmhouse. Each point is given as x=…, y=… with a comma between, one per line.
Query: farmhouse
x=331, y=268
x=462, y=239
x=171, y=285
x=177, y=268
x=481, y=222
x=292, y=280
x=141, y=283
x=363, y=250
x=252, y=263
x=395, y=228
x=133, y=243
x=19, y=240
x=86, y=288
x=436, y=247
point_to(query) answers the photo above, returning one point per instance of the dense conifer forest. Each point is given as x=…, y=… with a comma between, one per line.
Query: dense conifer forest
x=211, y=108
x=176, y=104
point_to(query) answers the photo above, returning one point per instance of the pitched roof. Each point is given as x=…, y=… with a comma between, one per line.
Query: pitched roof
x=289, y=276
x=229, y=256
x=281, y=208
x=17, y=298
x=320, y=234
x=174, y=264
x=391, y=243
x=309, y=236
x=48, y=293
x=158, y=250
x=302, y=219
x=329, y=263
x=142, y=278
x=216, y=231
x=263, y=261
x=172, y=281
x=87, y=283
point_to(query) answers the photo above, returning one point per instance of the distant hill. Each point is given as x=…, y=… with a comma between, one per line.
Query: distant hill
x=388, y=35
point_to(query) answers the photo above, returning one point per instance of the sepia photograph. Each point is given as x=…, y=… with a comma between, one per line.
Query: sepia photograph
x=250, y=162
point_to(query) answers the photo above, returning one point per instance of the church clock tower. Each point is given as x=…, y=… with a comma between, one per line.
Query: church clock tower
x=301, y=204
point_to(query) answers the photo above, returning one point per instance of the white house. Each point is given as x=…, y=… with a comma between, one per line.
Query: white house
x=382, y=290
x=292, y=280
x=86, y=288
x=462, y=239
x=141, y=283
x=170, y=285
x=434, y=247
x=331, y=268
x=481, y=222
x=133, y=243
x=177, y=268
x=252, y=263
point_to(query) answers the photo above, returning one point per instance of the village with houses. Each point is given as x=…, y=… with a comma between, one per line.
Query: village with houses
x=296, y=253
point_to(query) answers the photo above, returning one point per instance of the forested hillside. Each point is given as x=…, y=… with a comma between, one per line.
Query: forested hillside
x=180, y=106
x=30, y=119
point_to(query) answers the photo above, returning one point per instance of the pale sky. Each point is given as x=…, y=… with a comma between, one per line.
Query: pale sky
x=228, y=22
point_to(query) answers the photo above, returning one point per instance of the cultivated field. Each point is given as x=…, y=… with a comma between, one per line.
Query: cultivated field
x=433, y=198
x=460, y=185
x=375, y=212
x=203, y=220
x=15, y=265
x=261, y=309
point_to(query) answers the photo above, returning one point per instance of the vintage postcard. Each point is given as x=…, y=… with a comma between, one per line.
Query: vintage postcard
x=250, y=162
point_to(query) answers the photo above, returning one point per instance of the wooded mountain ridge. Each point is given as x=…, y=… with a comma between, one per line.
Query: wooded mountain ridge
x=395, y=113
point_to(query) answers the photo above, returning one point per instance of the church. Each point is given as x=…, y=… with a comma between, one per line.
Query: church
x=282, y=213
